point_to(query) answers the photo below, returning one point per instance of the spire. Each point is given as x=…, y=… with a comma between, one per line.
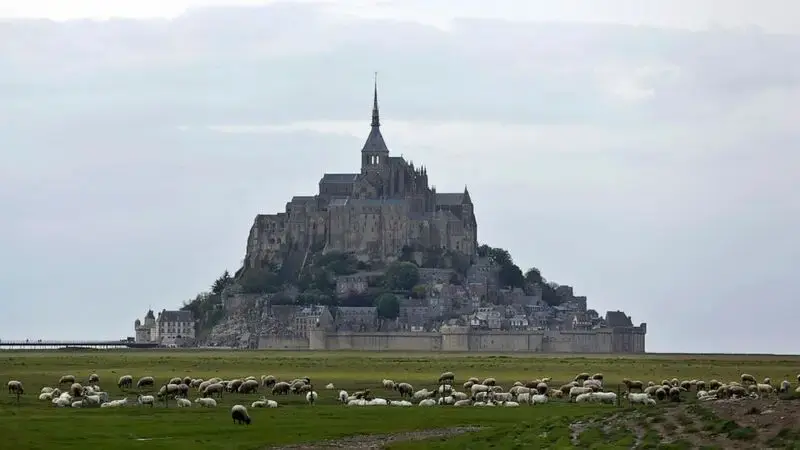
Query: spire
x=376, y=122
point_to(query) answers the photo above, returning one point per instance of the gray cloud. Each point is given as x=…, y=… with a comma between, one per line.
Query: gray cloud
x=653, y=169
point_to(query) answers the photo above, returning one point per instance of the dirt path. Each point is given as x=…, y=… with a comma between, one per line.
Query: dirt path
x=377, y=441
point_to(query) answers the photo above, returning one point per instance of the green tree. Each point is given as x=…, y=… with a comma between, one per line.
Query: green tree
x=260, y=281
x=402, y=276
x=534, y=276
x=388, y=306
x=221, y=283
x=419, y=291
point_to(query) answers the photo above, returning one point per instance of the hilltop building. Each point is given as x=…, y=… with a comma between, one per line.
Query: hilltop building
x=169, y=328
x=374, y=213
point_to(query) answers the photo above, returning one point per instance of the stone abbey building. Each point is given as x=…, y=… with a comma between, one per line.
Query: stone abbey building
x=374, y=213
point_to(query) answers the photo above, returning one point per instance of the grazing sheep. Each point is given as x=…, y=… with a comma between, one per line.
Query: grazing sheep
x=604, y=397
x=268, y=381
x=661, y=393
x=675, y=394
x=239, y=415
x=576, y=391
x=46, y=396
x=747, y=378
x=248, y=387
x=125, y=381
x=631, y=385
x=66, y=379
x=447, y=377
x=387, y=384
x=404, y=389
x=186, y=380
x=184, y=403
x=146, y=400
x=94, y=378
x=281, y=388
x=233, y=385
x=468, y=384
x=598, y=377
x=145, y=382
x=15, y=387
x=538, y=399
x=762, y=388
x=489, y=382
x=640, y=398
x=785, y=387
x=330, y=386
x=311, y=397
x=214, y=388
x=581, y=377
x=343, y=396
x=542, y=388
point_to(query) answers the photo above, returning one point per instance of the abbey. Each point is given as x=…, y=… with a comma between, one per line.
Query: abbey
x=376, y=213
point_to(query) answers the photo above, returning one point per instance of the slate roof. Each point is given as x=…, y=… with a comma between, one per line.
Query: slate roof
x=452, y=199
x=175, y=316
x=375, y=142
x=339, y=178
x=617, y=319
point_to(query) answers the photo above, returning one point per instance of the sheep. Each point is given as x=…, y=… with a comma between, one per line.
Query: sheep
x=762, y=388
x=281, y=388
x=502, y=396
x=206, y=402
x=785, y=387
x=427, y=402
x=468, y=384
x=330, y=386
x=378, y=402
x=422, y=394
x=405, y=389
x=581, y=377
x=592, y=384
x=445, y=389
x=661, y=393
x=183, y=403
x=77, y=404
x=566, y=387
x=311, y=397
x=598, y=376
x=92, y=400
x=489, y=382
x=146, y=400
x=387, y=384
x=542, y=387
x=538, y=399
x=125, y=381
x=604, y=397
x=767, y=380
x=479, y=388
x=631, y=385
x=356, y=402
x=239, y=415
x=747, y=378
x=259, y=404
x=448, y=400
x=186, y=380
x=401, y=403
x=66, y=379
x=524, y=397
x=583, y=398
x=460, y=395
x=510, y=404
x=714, y=384
x=248, y=387
x=343, y=396
x=447, y=377
x=15, y=387
x=640, y=398
x=674, y=394
x=145, y=382
x=214, y=388
x=76, y=390
x=46, y=396
x=268, y=381
x=686, y=385
x=576, y=391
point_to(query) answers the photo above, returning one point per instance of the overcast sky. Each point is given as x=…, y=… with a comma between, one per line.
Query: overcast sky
x=654, y=168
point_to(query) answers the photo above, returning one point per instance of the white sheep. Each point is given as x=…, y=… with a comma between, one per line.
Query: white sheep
x=576, y=391
x=524, y=398
x=343, y=396
x=92, y=400
x=387, y=384
x=206, y=402
x=125, y=381
x=77, y=404
x=311, y=397
x=785, y=386
x=356, y=402
x=272, y=404
x=538, y=399
x=427, y=402
x=15, y=387
x=46, y=396
x=46, y=390
x=604, y=397
x=462, y=403
x=510, y=404
x=146, y=400
x=330, y=386
x=583, y=398
x=639, y=398
x=377, y=402
x=401, y=403
x=183, y=403
x=62, y=402
x=449, y=400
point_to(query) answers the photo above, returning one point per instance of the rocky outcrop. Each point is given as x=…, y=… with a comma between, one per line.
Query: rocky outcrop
x=241, y=326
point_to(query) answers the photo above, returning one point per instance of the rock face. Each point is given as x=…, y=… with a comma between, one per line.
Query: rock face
x=243, y=323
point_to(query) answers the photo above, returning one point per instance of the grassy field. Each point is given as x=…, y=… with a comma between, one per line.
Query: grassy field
x=34, y=424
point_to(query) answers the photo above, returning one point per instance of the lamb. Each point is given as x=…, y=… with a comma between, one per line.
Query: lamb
x=239, y=415
x=747, y=378
x=66, y=379
x=184, y=403
x=206, y=402
x=387, y=384
x=145, y=382
x=146, y=400
x=311, y=397
x=447, y=377
x=404, y=389
x=15, y=387
x=583, y=398
x=125, y=381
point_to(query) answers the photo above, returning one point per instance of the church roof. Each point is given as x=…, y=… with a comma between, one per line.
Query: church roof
x=617, y=319
x=375, y=142
x=448, y=198
x=339, y=178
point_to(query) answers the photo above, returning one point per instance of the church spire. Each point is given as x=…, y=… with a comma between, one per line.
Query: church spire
x=376, y=122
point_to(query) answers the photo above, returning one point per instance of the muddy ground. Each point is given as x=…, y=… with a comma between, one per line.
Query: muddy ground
x=376, y=442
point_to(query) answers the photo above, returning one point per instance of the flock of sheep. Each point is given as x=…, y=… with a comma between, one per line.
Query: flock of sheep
x=584, y=388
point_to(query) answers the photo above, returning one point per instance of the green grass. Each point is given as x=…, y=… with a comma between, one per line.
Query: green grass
x=35, y=424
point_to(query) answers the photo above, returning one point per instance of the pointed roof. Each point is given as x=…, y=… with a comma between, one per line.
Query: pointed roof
x=466, y=199
x=375, y=142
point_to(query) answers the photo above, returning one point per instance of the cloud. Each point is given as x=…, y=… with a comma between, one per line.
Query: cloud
x=653, y=169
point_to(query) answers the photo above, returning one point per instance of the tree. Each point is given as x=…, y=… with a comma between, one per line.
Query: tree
x=534, y=276
x=260, y=281
x=402, y=276
x=419, y=291
x=388, y=307
x=221, y=283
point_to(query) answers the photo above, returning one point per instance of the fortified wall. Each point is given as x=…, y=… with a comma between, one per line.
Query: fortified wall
x=462, y=339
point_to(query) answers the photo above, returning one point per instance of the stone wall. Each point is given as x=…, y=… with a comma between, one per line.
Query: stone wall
x=461, y=339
